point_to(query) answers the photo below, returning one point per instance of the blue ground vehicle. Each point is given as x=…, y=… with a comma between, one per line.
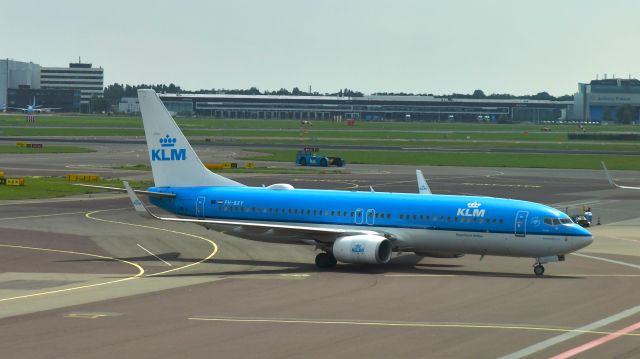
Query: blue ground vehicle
x=309, y=157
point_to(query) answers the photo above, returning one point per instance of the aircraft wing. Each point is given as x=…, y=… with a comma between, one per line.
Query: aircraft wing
x=423, y=187
x=321, y=234
x=611, y=181
x=148, y=193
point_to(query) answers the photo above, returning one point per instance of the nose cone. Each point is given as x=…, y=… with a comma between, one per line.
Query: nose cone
x=582, y=238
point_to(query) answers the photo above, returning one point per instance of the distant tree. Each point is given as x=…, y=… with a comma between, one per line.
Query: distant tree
x=542, y=96
x=626, y=114
x=99, y=104
x=478, y=94
x=565, y=98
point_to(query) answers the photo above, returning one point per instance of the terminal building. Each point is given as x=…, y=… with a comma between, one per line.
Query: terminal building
x=368, y=108
x=17, y=74
x=599, y=100
x=78, y=76
x=68, y=88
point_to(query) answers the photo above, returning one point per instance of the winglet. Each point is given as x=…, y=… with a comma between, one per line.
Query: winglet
x=423, y=187
x=137, y=203
x=609, y=177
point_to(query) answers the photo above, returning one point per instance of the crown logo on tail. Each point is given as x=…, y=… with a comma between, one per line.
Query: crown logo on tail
x=167, y=141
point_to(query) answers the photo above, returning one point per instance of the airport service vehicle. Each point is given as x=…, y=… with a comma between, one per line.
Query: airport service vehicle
x=309, y=157
x=582, y=221
x=348, y=226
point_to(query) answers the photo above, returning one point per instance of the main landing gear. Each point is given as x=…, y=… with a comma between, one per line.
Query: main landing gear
x=326, y=260
x=538, y=269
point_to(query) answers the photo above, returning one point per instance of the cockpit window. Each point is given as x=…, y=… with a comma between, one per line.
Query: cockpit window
x=557, y=221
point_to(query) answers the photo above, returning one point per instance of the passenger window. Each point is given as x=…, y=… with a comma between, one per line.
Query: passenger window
x=448, y=219
x=427, y=217
x=401, y=216
x=333, y=213
x=501, y=221
x=388, y=215
x=435, y=219
x=468, y=220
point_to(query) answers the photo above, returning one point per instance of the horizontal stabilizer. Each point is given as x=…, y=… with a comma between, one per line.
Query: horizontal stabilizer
x=148, y=193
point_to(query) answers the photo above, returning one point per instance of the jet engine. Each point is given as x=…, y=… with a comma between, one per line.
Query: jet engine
x=362, y=248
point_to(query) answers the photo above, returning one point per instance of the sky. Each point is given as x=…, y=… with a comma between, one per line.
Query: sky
x=419, y=46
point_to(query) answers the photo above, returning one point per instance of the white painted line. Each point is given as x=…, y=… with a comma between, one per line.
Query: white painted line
x=607, y=260
x=570, y=335
x=160, y=259
x=589, y=327
x=597, y=342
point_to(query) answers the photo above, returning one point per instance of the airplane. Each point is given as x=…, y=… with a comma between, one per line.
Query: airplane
x=611, y=181
x=364, y=227
x=31, y=109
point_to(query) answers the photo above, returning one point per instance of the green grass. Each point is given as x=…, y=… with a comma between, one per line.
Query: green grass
x=469, y=159
x=51, y=187
x=319, y=125
x=319, y=142
x=44, y=149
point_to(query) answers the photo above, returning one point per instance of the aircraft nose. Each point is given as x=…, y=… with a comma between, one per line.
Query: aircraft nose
x=582, y=239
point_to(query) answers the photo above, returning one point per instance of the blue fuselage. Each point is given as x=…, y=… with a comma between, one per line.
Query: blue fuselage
x=379, y=209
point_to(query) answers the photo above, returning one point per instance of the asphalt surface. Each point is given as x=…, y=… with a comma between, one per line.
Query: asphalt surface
x=87, y=278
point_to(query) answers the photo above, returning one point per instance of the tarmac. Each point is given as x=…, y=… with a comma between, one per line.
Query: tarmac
x=85, y=277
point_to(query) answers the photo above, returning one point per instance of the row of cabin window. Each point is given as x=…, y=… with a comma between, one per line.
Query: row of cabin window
x=309, y=212
x=381, y=215
x=455, y=219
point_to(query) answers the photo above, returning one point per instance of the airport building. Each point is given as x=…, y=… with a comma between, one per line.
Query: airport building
x=599, y=100
x=69, y=89
x=368, y=108
x=78, y=76
x=17, y=74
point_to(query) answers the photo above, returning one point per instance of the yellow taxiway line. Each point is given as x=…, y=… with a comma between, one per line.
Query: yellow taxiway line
x=401, y=324
x=139, y=274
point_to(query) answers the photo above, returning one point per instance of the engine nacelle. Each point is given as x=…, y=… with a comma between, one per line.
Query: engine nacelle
x=362, y=248
x=439, y=254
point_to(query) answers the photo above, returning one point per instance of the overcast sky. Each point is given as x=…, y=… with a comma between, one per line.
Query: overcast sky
x=440, y=47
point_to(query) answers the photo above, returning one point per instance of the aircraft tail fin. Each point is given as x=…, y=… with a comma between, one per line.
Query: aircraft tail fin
x=174, y=163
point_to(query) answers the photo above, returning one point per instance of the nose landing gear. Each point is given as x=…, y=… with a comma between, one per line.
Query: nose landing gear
x=538, y=267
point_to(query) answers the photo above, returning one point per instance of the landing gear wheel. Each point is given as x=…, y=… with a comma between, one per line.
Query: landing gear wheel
x=324, y=162
x=325, y=260
x=303, y=161
x=538, y=269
